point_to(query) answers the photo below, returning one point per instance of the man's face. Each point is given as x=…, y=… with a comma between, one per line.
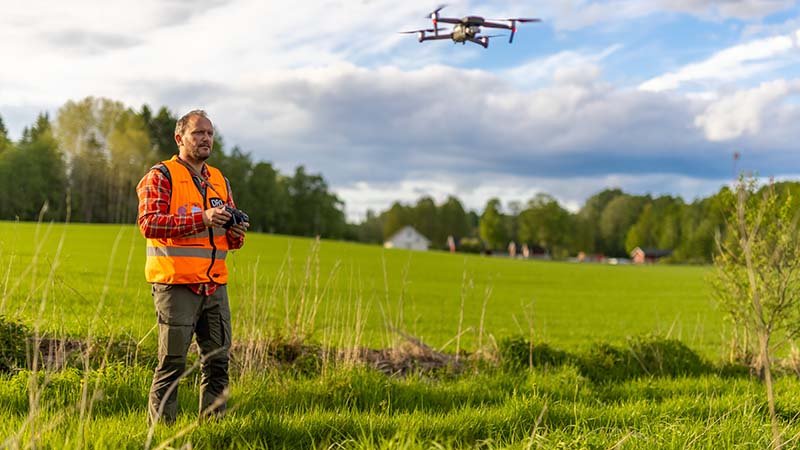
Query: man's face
x=197, y=139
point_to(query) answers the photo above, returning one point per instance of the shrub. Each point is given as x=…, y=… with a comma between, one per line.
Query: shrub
x=13, y=344
x=470, y=245
x=667, y=357
x=516, y=353
x=643, y=356
x=603, y=361
x=303, y=358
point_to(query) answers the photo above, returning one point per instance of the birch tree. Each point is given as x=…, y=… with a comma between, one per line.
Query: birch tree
x=757, y=277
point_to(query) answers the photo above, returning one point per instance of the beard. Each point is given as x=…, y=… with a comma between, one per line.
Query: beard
x=198, y=155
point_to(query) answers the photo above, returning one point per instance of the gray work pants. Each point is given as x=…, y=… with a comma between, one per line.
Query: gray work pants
x=182, y=314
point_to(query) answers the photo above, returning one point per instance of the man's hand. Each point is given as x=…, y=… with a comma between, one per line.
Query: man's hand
x=239, y=229
x=215, y=217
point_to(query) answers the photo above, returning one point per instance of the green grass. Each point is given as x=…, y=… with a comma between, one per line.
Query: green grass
x=364, y=409
x=86, y=281
x=97, y=283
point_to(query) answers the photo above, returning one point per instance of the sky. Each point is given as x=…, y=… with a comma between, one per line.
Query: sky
x=653, y=97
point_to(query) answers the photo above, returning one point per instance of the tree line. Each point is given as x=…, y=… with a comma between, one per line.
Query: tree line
x=610, y=223
x=89, y=158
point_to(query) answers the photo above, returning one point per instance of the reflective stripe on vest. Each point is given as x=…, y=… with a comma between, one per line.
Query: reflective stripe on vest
x=185, y=251
x=197, y=258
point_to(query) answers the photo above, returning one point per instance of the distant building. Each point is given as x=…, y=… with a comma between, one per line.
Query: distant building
x=648, y=255
x=408, y=238
x=591, y=257
x=451, y=244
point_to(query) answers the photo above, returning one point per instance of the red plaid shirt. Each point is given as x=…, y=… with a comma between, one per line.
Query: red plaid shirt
x=155, y=221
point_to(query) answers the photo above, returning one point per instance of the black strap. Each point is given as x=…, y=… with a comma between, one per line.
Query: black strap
x=161, y=167
x=228, y=187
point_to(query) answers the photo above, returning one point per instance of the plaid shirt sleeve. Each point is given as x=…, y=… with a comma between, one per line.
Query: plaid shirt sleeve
x=155, y=221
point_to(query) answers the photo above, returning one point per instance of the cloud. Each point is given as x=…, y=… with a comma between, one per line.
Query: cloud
x=788, y=27
x=387, y=123
x=176, y=12
x=578, y=14
x=744, y=112
x=735, y=63
x=573, y=15
x=387, y=126
x=740, y=9
x=87, y=43
x=579, y=66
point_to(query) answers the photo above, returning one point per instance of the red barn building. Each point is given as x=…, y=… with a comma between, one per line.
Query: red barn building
x=648, y=255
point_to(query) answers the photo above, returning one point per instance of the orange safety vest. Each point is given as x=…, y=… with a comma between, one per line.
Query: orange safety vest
x=198, y=258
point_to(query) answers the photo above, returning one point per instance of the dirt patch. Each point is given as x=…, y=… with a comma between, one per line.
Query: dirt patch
x=410, y=356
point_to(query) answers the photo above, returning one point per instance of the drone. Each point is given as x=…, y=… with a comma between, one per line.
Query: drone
x=467, y=28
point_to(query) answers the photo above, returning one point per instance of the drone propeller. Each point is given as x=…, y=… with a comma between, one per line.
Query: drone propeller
x=516, y=19
x=430, y=30
x=513, y=27
x=434, y=16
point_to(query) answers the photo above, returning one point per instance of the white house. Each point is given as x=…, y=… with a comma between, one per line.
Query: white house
x=408, y=238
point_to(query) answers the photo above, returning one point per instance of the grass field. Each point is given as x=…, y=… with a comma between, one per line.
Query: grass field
x=97, y=273
x=83, y=281
x=364, y=409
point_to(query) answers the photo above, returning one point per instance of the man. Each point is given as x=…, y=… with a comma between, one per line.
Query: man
x=182, y=213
